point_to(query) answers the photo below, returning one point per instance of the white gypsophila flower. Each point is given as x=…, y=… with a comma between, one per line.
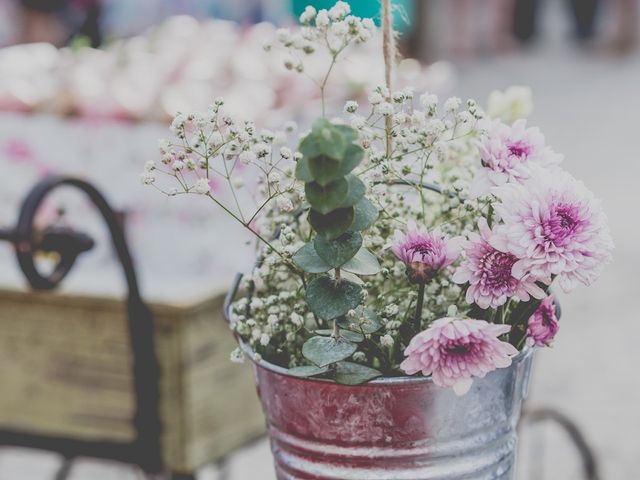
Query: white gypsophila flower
x=285, y=153
x=387, y=341
x=297, y=319
x=262, y=150
x=339, y=10
x=308, y=15
x=385, y=108
x=147, y=178
x=452, y=104
x=237, y=355
x=247, y=157
x=285, y=204
x=284, y=36
x=178, y=123
x=375, y=98
x=398, y=97
x=391, y=310
x=428, y=101
x=339, y=29
x=164, y=145
x=202, y=186
x=149, y=166
x=290, y=126
x=351, y=106
x=512, y=104
x=358, y=122
x=215, y=139
x=322, y=19
x=178, y=165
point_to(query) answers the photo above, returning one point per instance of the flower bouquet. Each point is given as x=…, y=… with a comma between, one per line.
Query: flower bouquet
x=406, y=256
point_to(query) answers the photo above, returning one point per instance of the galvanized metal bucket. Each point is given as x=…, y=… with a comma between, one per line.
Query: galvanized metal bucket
x=403, y=428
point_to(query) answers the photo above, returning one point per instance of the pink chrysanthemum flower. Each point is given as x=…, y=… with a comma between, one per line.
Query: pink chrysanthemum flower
x=555, y=226
x=489, y=273
x=507, y=153
x=454, y=351
x=543, y=324
x=424, y=253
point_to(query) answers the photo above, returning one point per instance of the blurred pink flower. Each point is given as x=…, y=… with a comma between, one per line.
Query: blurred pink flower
x=454, y=351
x=424, y=253
x=507, y=152
x=489, y=273
x=555, y=226
x=543, y=324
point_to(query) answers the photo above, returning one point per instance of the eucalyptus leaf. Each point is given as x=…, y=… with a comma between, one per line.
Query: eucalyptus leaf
x=350, y=373
x=333, y=224
x=325, y=139
x=339, y=250
x=326, y=198
x=366, y=321
x=365, y=214
x=355, y=191
x=350, y=133
x=329, y=299
x=351, y=159
x=363, y=263
x=302, y=170
x=307, y=371
x=346, y=334
x=324, y=351
x=308, y=260
x=324, y=169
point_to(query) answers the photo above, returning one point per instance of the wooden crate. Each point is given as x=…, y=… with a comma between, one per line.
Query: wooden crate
x=65, y=370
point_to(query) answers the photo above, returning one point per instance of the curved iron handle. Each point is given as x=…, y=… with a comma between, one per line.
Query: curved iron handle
x=69, y=244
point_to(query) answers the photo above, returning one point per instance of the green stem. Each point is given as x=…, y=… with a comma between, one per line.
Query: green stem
x=417, y=320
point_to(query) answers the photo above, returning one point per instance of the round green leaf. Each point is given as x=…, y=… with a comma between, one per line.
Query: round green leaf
x=324, y=169
x=302, y=170
x=365, y=214
x=333, y=224
x=324, y=351
x=339, y=250
x=308, y=260
x=329, y=299
x=307, y=371
x=346, y=334
x=356, y=191
x=326, y=198
x=349, y=373
x=363, y=263
x=351, y=159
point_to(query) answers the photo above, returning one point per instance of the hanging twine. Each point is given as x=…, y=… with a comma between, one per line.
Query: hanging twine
x=389, y=52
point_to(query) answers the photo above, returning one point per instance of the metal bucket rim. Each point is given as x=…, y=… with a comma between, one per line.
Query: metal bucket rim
x=401, y=380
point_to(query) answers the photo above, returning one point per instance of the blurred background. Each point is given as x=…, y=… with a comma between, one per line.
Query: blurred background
x=88, y=86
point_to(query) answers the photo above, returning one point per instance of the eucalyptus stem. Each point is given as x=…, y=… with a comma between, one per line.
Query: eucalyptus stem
x=336, y=330
x=417, y=320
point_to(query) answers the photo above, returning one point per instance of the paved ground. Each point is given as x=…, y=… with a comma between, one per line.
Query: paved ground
x=588, y=106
